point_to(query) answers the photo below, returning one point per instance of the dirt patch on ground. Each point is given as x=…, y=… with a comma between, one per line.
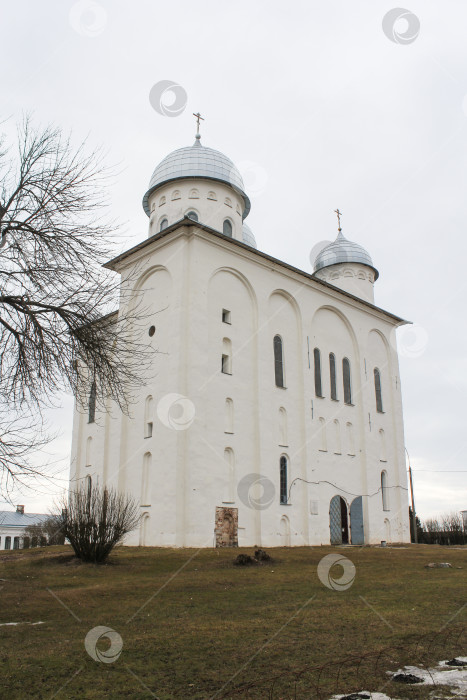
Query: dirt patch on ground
x=39, y=552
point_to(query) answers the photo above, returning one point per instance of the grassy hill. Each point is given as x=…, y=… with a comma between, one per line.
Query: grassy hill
x=195, y=626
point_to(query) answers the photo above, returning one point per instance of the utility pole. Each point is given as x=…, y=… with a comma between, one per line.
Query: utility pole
x=414, y=518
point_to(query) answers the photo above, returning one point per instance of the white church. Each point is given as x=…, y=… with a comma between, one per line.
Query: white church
x=274, y=414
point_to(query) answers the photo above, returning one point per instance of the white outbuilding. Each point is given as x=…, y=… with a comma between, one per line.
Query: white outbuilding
x=13, y=525
x=273, y=415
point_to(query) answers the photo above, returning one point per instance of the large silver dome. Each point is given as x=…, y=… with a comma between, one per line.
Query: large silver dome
x=248, y=237
x=343, y=251
x=194, y=162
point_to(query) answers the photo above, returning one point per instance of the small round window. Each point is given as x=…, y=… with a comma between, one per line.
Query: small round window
x=192, y=215
x=152, y=330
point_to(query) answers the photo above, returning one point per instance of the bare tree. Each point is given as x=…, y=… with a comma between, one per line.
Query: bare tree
x=96, y=519
x=432, y=525
x=58, y=328
x=452, y=522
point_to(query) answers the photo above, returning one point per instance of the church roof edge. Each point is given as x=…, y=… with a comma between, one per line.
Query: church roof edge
x=111, y=264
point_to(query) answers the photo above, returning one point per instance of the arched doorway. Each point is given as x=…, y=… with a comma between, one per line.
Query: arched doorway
x=143, y=531
x=285, y=531
x=356, y=521
x=338, y=521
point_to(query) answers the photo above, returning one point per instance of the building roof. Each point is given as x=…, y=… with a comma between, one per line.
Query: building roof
x=248, y=237
x=111, y=264
x=343, y=251
x=11, y=518
x=197, y=161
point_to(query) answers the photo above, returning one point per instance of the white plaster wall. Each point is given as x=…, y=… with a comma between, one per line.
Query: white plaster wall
x=213, y=201
x=11, y=532
x=187, y=279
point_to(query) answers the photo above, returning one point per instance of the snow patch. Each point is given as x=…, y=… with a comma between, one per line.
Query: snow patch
x=373, y=696
x=454, y=677
x=8, y=624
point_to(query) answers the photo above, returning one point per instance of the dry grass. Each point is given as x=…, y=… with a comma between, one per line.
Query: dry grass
x=213, y=630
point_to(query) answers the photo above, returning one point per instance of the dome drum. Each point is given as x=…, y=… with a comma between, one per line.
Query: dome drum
x=213, y=204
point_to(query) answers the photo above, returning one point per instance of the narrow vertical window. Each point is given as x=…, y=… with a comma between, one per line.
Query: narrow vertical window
x=229, y=416
x=283, y=427
x=148, y=417
x=337, y=438
x=283, y=480
x=378, y=394
x=88, y=459
x=164, y=223
x=317, y=359
x=382, y=446
x=227, y=228
x=350, y=440
x=92, y=404
x=346, y=380
x=332, y=374
x=88, y=490
x=145, y=478
x=278, y=361
x=323, y=441
x=226, y=363
x=384, y=490
x=229, y=460
x=7, y=542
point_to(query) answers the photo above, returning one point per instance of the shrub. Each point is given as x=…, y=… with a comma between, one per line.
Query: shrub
x=95, y=519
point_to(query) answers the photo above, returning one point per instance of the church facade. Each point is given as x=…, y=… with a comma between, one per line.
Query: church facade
x=274, y=414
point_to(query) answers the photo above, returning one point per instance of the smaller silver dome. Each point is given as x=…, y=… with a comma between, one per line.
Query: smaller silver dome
x=248, y=237
x=343, y=251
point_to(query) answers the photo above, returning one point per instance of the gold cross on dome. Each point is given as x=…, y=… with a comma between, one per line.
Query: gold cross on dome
x=198, y=117
x=339, y=214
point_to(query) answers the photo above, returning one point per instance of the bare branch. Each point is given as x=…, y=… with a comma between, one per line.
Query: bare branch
x=58, y=325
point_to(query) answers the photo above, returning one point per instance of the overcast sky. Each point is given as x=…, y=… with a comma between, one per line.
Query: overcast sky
x=320, y=109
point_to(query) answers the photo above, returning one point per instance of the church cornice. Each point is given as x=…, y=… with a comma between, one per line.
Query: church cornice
x=116, y=263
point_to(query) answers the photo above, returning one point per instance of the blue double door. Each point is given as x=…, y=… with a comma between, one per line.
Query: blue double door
x=346, y=525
